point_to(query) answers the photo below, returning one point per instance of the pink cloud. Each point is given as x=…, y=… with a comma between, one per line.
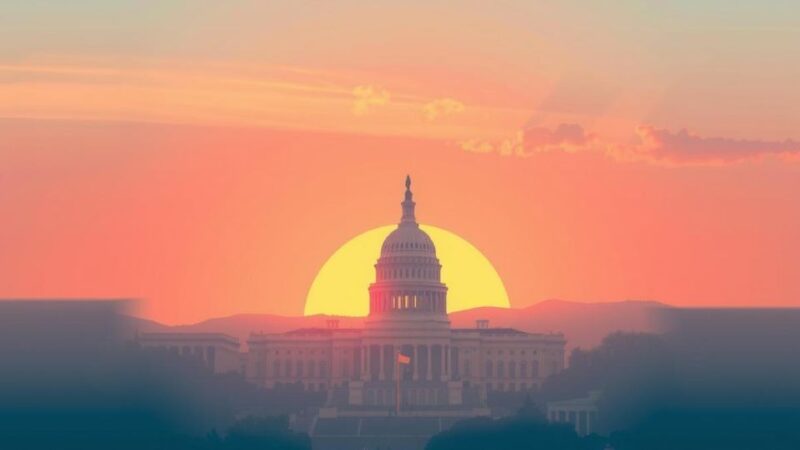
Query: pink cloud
x=565, y=137
x=654, y=145
x=684, y=147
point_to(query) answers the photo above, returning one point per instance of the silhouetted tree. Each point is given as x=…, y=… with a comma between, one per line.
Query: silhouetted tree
x=703, y=429
x=526, y=430
x=530, y=411
x=635, y=371
x=265, y=433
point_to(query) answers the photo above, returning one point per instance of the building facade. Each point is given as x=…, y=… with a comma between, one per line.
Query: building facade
x=448, y=367
x=445, y=367
x=215, y=351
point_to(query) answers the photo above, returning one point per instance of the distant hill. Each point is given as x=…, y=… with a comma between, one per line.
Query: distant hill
x=583, y=324
x=131, y=325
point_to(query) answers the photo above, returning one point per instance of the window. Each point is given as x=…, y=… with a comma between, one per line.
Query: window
x=501, y=370
x=512, y=369
x=489, y=371
x=370, y=397
x=261, y=369
x=535, y=369
x=523, y=369
x=299, y=369
x=323, y=369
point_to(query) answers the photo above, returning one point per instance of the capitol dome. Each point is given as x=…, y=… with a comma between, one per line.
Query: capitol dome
x=408, y=273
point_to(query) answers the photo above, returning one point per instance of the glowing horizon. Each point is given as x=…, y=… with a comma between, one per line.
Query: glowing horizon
x=340, y=287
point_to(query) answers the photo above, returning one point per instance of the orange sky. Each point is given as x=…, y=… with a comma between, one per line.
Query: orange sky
x=209, y=158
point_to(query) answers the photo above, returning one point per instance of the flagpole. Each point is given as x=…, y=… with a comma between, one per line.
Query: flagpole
x=397, y=389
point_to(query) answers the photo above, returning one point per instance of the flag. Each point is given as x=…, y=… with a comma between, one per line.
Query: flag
x=403, y=359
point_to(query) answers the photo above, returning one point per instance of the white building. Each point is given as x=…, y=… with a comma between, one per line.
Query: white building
x=580, y=412
x=449, y=368
x=219, y=352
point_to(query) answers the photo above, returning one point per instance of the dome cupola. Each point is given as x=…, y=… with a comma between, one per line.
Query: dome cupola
x=408, y=238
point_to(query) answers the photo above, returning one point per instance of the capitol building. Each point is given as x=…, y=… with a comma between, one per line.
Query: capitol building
x=407, y=349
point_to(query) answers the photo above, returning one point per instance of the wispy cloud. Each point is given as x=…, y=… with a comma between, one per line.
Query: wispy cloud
x=223, y=93
x=650, y=144
x=567, y=137
x=442, y=107
x=511, y=146
x=685, y=147
x=367, y=97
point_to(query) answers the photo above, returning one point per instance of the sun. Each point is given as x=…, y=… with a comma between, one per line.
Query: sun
x=340, y=287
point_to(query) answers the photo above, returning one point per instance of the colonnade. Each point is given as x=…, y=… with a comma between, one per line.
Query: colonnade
x=428, y=362
x=424, y=301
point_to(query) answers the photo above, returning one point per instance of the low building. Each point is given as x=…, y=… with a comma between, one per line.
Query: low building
x=580, y=412
x=216, y=351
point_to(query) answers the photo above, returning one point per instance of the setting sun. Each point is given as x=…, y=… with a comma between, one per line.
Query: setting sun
x=340, y=287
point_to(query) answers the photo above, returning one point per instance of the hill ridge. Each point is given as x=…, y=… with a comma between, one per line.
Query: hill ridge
x=584, y=324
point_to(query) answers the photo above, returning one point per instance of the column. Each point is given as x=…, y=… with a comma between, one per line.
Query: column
x=367, y=372
x=381, y=375
x=588, y=422
x=429, y=368
x=415, y=362
x=392, y=364
x=447, y=361
x=443, y=367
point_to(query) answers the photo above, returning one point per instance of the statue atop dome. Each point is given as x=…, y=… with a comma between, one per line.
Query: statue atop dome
x=408, y=205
